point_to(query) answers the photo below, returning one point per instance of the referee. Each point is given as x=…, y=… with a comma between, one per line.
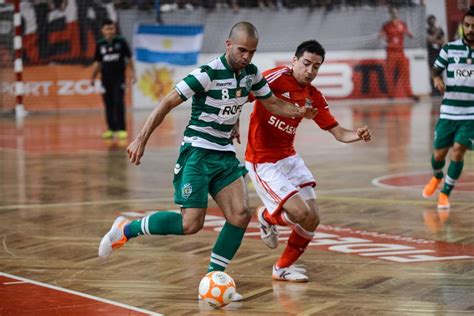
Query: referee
x=111, y=57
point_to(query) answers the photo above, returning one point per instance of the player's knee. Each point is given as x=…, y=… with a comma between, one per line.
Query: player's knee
x=299, y=215
x=457, y=152
x=190, y=228
x=313, y=219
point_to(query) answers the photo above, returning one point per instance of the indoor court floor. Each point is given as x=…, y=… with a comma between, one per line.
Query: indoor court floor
x=381, y=248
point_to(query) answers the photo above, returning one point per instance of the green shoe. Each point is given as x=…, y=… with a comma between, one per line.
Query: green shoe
x=122, y=134
x=108, y=134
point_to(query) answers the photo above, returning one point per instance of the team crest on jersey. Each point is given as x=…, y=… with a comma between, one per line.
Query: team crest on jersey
x=308, y=103
x=110, y=49
x=187, y=190
x=248, y=82
x=238, y=93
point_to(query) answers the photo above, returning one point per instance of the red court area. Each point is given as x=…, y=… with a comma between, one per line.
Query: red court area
x=410, y=180
x=20, y=296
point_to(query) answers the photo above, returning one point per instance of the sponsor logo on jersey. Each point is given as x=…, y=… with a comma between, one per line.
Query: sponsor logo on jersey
x=463, y=73
x=224, y=84
x=111, y=57
x=177, y=168
x=282, y=125
x=103, y=50
x=230, y=110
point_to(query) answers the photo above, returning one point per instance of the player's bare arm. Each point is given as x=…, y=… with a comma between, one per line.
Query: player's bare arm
x=236, y=132
x=96, y=67
x=282, y=108
x=131, y=65
x=345, y=135
x=437, y=78
x=137, y=147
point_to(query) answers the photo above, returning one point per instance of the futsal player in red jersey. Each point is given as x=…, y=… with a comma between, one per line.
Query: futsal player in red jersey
x=283, y=182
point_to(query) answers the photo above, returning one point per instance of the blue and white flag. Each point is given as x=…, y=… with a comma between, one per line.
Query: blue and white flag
x=163, y=55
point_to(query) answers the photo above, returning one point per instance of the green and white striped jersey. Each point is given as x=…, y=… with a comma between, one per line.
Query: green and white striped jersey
x=218, y=96
x=457, y=58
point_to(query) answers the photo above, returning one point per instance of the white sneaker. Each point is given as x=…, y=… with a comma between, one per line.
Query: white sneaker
x=268, y=233
x=114, y=238
x=236, y=298
x=289, y=274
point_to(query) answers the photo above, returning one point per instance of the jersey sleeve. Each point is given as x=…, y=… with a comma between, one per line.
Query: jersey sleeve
x=126, y=50
x=260, y=88
x=323, y=118
x=441, y=61
x=97, y=55
x=197, y=81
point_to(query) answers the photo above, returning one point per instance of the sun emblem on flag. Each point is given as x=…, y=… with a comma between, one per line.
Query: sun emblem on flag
x=155, y=82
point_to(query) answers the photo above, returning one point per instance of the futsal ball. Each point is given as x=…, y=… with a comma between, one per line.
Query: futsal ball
x=217, y=288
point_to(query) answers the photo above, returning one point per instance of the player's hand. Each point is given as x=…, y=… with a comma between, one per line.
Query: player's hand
x=438, y=84
x=308, y=112
x=364, y=133
x=135, y=151
x=235, y=134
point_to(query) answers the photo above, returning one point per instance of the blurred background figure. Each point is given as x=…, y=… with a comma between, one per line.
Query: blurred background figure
x=397, y=69
x=435, y=39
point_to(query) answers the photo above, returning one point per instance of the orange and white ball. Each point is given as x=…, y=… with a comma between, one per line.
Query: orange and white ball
x=217, y=288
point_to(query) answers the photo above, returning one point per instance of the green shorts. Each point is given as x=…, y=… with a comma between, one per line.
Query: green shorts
x=448, y=132
x=200, y=171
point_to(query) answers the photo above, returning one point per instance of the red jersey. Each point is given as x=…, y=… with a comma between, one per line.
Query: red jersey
x=395, y=32
x=271, y=137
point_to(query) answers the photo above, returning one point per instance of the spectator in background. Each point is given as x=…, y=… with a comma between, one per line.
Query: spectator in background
x=435, y=39
x=112, y=54
x=397, y=69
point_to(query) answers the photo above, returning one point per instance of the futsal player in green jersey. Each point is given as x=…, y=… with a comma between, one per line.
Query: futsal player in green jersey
x=207, y=163
x=455, y=127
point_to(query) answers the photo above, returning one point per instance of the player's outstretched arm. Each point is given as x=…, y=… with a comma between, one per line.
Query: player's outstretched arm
x=349, y=136
x=137, y=147
x=283, y=108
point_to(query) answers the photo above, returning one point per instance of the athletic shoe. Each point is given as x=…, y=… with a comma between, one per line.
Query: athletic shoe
x=236, y=298
x=288, y=274
x=268, y=233
x=122, y=134
x=443, y=201
x=108, y=134
x=431, y=187
x=114, y=239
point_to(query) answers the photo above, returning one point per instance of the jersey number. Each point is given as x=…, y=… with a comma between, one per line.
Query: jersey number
x=225, y=94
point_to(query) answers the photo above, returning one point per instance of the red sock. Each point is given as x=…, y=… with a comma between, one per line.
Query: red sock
x=275, y=219
x=295, y=247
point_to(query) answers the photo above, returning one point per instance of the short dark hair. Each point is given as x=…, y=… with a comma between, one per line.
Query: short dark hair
x=107, y=21
x=311, y=46
x=469, y=12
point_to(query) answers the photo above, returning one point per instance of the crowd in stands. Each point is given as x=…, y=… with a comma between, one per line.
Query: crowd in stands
x=235, y=5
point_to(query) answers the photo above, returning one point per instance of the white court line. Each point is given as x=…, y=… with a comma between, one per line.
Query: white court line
x=103, y=300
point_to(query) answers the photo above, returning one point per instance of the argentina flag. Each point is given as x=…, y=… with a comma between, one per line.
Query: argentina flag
x=163, y=55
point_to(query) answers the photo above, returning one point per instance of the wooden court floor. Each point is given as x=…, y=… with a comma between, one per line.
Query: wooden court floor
x=381, y=249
